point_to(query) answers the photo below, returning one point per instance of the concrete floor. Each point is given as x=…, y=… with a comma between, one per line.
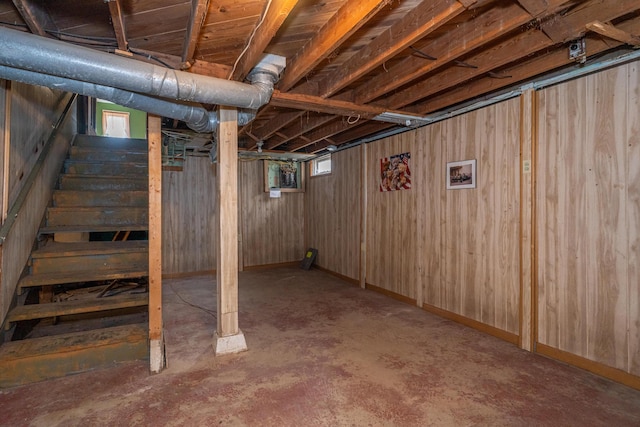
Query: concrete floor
x=324, y=353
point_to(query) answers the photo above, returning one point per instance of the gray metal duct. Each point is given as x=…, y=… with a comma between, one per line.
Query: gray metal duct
x=43, y=55
x=196, y=117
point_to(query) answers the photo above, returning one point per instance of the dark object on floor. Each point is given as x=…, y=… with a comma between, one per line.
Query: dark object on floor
x=309, y=258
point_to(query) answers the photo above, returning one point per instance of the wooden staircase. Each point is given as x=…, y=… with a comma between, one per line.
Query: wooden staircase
x=88, y=273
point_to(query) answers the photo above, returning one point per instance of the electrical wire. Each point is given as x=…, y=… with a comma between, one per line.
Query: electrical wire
x=206, y=310
x=255, y=30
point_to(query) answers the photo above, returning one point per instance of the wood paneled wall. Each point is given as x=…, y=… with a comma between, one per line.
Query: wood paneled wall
x=455, y=250
x=333, y=206
x=34, y=110
x=272, y=228
x=188, y=218
x=588, y=217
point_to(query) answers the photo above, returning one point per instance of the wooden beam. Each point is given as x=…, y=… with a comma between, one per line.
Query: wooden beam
x=541, y=8
x=210, y=69
x=321, y=105
x=35, y=16
x=346, y=21
x=614, y=33
x=519, y=46
x=269, y=25
x=228, y=337
x=6, y=146
x=571, y=25
x=416, y=24
x=198, y=14
x=156, y=339
x=117, y=21
x=476, y=32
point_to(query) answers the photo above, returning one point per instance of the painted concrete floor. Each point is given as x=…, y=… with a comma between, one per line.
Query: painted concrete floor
x=324, y=353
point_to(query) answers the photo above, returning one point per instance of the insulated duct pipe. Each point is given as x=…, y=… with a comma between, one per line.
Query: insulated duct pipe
x=53, y=57
x=196, y=117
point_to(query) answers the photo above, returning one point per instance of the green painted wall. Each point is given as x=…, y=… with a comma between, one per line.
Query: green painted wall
x=137, y=119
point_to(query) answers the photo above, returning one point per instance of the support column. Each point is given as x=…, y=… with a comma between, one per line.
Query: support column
x=228, y=337
x=527, y=220
x=5, y=137
x=157, y=360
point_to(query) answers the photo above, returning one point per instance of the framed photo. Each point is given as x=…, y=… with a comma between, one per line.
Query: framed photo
x=395, y=173
x=461, y=174
x=284, y=176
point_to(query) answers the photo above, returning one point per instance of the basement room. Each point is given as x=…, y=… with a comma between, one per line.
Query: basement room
x=320, y=212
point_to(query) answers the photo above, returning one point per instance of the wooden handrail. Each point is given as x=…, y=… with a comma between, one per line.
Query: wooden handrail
x=17, y=205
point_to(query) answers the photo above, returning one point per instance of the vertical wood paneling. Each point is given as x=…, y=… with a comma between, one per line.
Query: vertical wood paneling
x=587, y=217
x=633, y=216
x=188, y=217
x=333, y=206
x=19, y=242
x=456, y=249
x=31, y=106
x=272, y=229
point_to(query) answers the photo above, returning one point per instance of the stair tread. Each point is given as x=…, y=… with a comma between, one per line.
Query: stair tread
x=72, y=342
x=92, y=275
x=57, y=249
x=40, y=311
x=106, y=177
x=93, y=228
x=137, y=198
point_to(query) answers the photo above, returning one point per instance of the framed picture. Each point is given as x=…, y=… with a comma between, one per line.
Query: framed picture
x=284, y=176
x=461, y=174
x=395, y=173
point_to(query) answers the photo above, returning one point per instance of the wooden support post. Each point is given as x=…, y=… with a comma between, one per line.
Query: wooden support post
x=6, y=147
x=527, y=237
x=363, y=216
x=156, y=338
x=228, y=337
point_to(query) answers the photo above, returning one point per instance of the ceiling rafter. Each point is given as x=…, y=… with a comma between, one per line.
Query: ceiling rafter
x=117, y=21
x=35, y=16
x=346, y=21
x=274, y=17
x=199, y=9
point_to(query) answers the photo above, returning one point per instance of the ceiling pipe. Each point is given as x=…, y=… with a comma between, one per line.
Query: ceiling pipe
x=44, y=55
x=196, y=117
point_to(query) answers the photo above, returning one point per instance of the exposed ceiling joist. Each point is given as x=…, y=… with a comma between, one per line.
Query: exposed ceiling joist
x=199, y=9
x=115, y=9
x=273, y=18
x=347, y=20
x=614, y=33
x=35, y=16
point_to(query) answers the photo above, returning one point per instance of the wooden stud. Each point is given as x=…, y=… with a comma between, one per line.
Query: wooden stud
x=363, y=216
x=156, y=339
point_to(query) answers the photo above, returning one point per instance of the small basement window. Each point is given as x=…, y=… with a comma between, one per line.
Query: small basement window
x=321, y=165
